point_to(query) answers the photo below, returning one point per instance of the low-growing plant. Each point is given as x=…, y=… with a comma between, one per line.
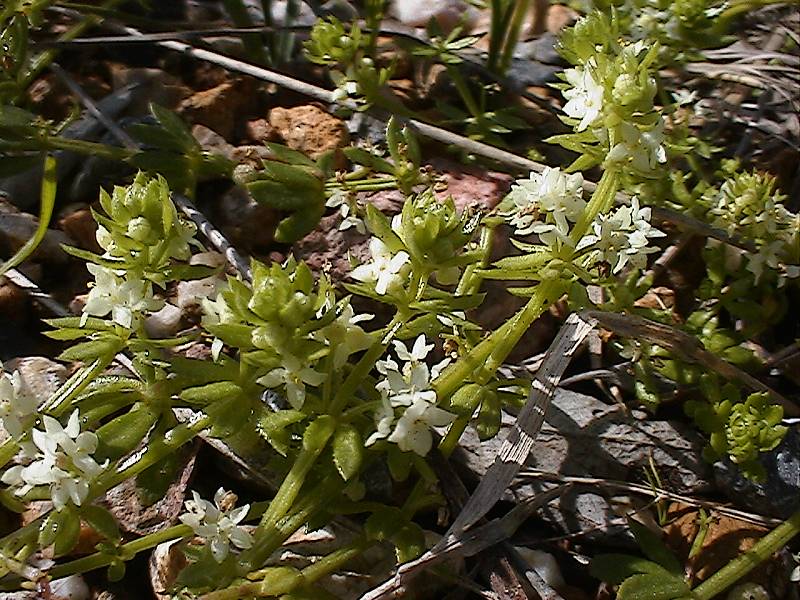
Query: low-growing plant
x=335, y=392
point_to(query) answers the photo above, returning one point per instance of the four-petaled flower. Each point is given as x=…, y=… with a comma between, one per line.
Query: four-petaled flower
x=294, y=375
x=644, y=149
x=125, y=299
x=546, y=203
x=61, y=459
x=585, y=98
x=622, y=237
x=217, y=524
x=413, y=429
x=386, y=270
x=17, y=403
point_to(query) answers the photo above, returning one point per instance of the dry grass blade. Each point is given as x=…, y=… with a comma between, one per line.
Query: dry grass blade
x=516, y=447
x=686, y=347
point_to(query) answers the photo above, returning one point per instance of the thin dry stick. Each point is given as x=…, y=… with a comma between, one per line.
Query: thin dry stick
x=686, y=347
x=655, y=492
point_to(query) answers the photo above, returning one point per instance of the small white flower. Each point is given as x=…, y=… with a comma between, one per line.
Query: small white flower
x=553, y=195
x=62, y=460
x=219, y=527
x=344, y=335
x=17, y=403
x=125, y=299
x=386, y=271
x=622, y=237
x=644, y=149
x=345, y=89
x=585, y=98
x=412, y=432
x=294, y=375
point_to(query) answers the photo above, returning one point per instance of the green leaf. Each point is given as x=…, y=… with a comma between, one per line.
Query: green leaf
x=299, y=224
x=272, y=427
x=289, y=156
x=292, y=176
x=616, y=568
x=318, y=432
x=282, y=197
x=122, y=434
x=48, y=200
x=409, y=542
x=175, y=126
x=384, y=523
x=276, y=581
x=654, y=549
x=450, y=303
x=367, y=159
x=102, y=521
x=60, y=528
x=399, y=463
x=92, y=349
x=466, y=399
x=211, y=392
x=348, y=451
x=489, y=417
x=12, y=117
x=650, y=586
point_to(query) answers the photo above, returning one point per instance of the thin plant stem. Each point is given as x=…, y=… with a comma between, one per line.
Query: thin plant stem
x=743, y=564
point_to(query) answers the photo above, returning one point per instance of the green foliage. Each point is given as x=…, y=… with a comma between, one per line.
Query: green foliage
x=659, y=577
x=738, y=429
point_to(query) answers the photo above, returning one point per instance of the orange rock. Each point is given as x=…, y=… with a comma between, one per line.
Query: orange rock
x=309, y=129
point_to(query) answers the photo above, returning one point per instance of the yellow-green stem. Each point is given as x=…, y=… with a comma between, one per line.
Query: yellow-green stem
x=740, y=566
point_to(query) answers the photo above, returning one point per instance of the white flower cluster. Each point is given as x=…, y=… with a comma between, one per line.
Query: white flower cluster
x=218, y=523
x=17, y=403
x=546, y=204
x=387, y=271
x=609, y=103
x=126, y=298
x=59, y=457
x=409, y=388
x=621, y=238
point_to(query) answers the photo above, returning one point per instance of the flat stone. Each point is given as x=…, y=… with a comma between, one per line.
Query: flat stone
x=584, y=437
x=309, y=129
x=16, y=228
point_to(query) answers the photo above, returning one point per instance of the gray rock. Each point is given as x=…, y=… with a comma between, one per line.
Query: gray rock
x=16, y=228
x=40, y=375
x=779, y=495
x=583, y=437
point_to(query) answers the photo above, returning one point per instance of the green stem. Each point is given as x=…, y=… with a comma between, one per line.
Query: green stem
x=294, y=480
x=463, y=90
x=335, y=560
x=740, y=566
x=270, y=536
x=129, y=550
x=517, y=20
x=52, y=142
